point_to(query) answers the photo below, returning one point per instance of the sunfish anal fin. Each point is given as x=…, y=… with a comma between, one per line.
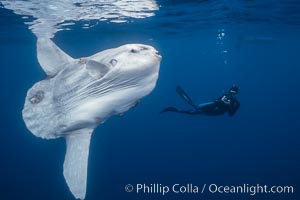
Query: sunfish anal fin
x=51, y=58
x=76, y=161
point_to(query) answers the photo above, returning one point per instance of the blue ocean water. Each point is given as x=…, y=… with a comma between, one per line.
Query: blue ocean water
x=206, y=46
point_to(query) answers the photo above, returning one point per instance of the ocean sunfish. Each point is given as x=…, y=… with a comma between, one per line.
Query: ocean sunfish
x=80, y=94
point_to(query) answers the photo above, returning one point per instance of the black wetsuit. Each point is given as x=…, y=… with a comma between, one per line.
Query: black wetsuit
x=227, y=103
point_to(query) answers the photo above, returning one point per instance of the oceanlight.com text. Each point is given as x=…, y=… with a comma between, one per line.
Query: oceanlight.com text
x=190, y=188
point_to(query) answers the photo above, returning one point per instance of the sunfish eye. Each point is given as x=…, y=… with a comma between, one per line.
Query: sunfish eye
x=37, y=98
x=144, y=48
x=134, y=51
x=113, y=62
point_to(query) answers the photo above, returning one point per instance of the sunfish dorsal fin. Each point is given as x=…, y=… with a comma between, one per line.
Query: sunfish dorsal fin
x=51, y=58
x=76, y=161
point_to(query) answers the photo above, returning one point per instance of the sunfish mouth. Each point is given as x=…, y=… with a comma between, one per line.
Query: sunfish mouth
x=157, y=54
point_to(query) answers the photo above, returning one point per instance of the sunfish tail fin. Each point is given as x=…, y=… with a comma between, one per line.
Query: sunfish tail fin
x=185, y=96
x=76, y=161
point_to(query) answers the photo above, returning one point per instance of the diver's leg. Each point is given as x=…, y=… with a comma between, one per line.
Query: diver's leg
x=212, y=109
x=185, y=96
x=169, y=109
x=173, y=109
x=190, y=112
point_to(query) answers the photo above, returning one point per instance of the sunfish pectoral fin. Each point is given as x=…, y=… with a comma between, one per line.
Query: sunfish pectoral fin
x=51, y=58
x=76, y=161
x=96, y=69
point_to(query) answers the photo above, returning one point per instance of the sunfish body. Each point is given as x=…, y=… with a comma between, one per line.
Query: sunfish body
x=80, y=94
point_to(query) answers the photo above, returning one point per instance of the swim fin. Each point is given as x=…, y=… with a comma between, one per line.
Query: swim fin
x=185, y=96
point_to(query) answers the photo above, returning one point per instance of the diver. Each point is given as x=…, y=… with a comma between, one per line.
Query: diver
x=227, y=103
